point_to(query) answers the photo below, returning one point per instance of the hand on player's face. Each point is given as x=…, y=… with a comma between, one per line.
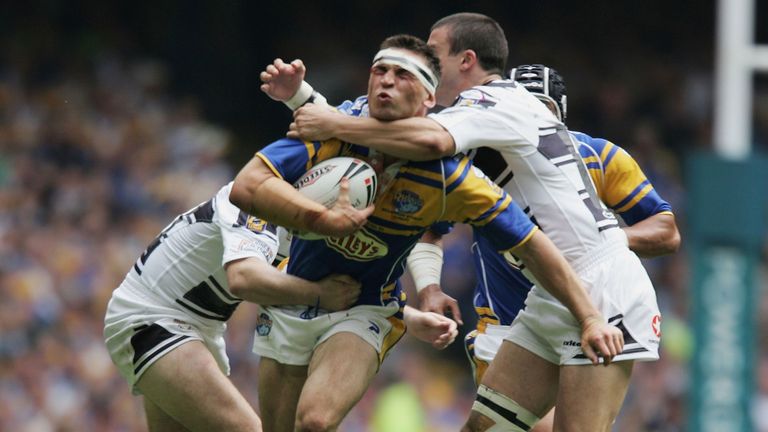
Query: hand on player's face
x=599, y=339
x=342, y=219
x=312, y=123
x=282, y=80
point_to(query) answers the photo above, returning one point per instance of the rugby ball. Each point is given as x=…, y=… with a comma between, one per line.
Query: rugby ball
x=321, y=183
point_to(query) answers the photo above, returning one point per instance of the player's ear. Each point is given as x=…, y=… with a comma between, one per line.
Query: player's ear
x=430, y=101
x=468, y=59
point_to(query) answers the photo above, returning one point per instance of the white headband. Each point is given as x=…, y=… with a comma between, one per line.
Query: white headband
x=412, y=63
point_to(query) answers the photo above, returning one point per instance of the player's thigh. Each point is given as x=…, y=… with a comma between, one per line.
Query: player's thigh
x=159, y=421
x=339, y=373
x=187, y=384
x=590, y=397
x=279, y=389
x=524, y=377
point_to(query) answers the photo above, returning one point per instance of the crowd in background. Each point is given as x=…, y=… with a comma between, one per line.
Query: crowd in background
x=94, y=162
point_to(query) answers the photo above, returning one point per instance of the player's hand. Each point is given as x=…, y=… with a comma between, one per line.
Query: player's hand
x=281, y=80
x=431, y=328
x=599, y=339
x=341, y=219
x=433, y=299
x=338, y=292
x=313, y=122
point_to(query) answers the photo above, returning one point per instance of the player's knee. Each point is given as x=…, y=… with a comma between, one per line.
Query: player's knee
x=315, y=421
x=495, y=412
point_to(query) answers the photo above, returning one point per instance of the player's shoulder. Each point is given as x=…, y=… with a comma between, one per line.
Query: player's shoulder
x=356, y=108
x=592, y=145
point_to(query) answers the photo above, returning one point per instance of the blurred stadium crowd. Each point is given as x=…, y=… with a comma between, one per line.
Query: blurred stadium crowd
x=95, y=160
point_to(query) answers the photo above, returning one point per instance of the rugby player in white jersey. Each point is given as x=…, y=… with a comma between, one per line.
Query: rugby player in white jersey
x=420, y=195
x=541, y=363
x=164, y=324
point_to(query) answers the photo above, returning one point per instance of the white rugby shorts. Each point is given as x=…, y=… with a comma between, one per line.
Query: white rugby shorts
x=138, y=332
x=290, y=334
x=620, y=289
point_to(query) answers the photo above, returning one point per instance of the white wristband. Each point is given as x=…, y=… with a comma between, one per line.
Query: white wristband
x=303, y=95
x=425, y=263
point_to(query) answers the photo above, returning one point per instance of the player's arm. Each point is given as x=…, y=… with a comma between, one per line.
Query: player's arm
x=430, y=327
x=415, y=138
x=425, y=264
x=652, y=230
x=258, y=191
x=554, y=274
x=654, y=236
x=254, y=280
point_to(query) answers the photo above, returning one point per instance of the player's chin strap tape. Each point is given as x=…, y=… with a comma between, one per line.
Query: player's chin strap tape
x=304, y=95
x=508, y=415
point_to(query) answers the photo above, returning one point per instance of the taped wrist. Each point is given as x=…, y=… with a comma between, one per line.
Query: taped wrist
x=508, y=414
x=304, y=95
x=425, y=263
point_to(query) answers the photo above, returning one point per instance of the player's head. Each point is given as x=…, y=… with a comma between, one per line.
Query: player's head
x=404, y=76
x=470, y=46
x=546, y=84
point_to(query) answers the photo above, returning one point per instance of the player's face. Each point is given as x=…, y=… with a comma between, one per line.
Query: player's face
x=450, y=64
x=395, y=93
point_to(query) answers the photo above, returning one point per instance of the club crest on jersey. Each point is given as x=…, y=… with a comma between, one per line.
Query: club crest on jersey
x=359, y=246
x=407, y=202
x=475, y=98
x=263, y=325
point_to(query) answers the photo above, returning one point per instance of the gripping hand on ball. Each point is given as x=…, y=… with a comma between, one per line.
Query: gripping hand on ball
x=342, y=219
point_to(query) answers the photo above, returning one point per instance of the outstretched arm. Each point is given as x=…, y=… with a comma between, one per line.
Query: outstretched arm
x=254, y=280
x=259, y=192
x=654, y=236
x=553, y=273
x=415, y=138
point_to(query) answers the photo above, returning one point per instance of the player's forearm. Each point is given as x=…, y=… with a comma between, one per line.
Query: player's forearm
x=554, y=274
x=654, y=236
x=263, y=284
x=417, y=138
x=258, y=192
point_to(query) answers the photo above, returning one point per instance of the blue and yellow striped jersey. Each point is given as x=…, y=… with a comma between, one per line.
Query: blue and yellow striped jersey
x=420, y=194
x=621, y=184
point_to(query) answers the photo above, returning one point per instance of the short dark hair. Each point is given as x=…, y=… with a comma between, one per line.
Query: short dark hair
x=479, y=33
x=417, y=45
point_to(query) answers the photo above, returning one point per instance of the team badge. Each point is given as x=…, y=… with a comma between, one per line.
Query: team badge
x=407, y=202
x=263, y=324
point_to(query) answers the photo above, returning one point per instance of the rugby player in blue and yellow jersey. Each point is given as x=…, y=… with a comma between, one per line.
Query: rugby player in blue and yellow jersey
x=328, y=359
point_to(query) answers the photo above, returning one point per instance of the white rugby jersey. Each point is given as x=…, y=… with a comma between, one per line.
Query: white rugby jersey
x=522, y=146
x=184, y=266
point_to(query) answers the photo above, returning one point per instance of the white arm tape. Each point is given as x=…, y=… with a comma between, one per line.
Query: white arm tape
x=303, y=95
x=425, y=264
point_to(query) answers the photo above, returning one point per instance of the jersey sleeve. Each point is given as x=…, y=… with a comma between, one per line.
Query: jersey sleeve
x=289, y=158
x=474, y=199
x=243, y=235
x=626, y=189
x=478, y=119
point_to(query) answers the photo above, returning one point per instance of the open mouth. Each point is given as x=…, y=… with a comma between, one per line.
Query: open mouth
x=383, y=97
